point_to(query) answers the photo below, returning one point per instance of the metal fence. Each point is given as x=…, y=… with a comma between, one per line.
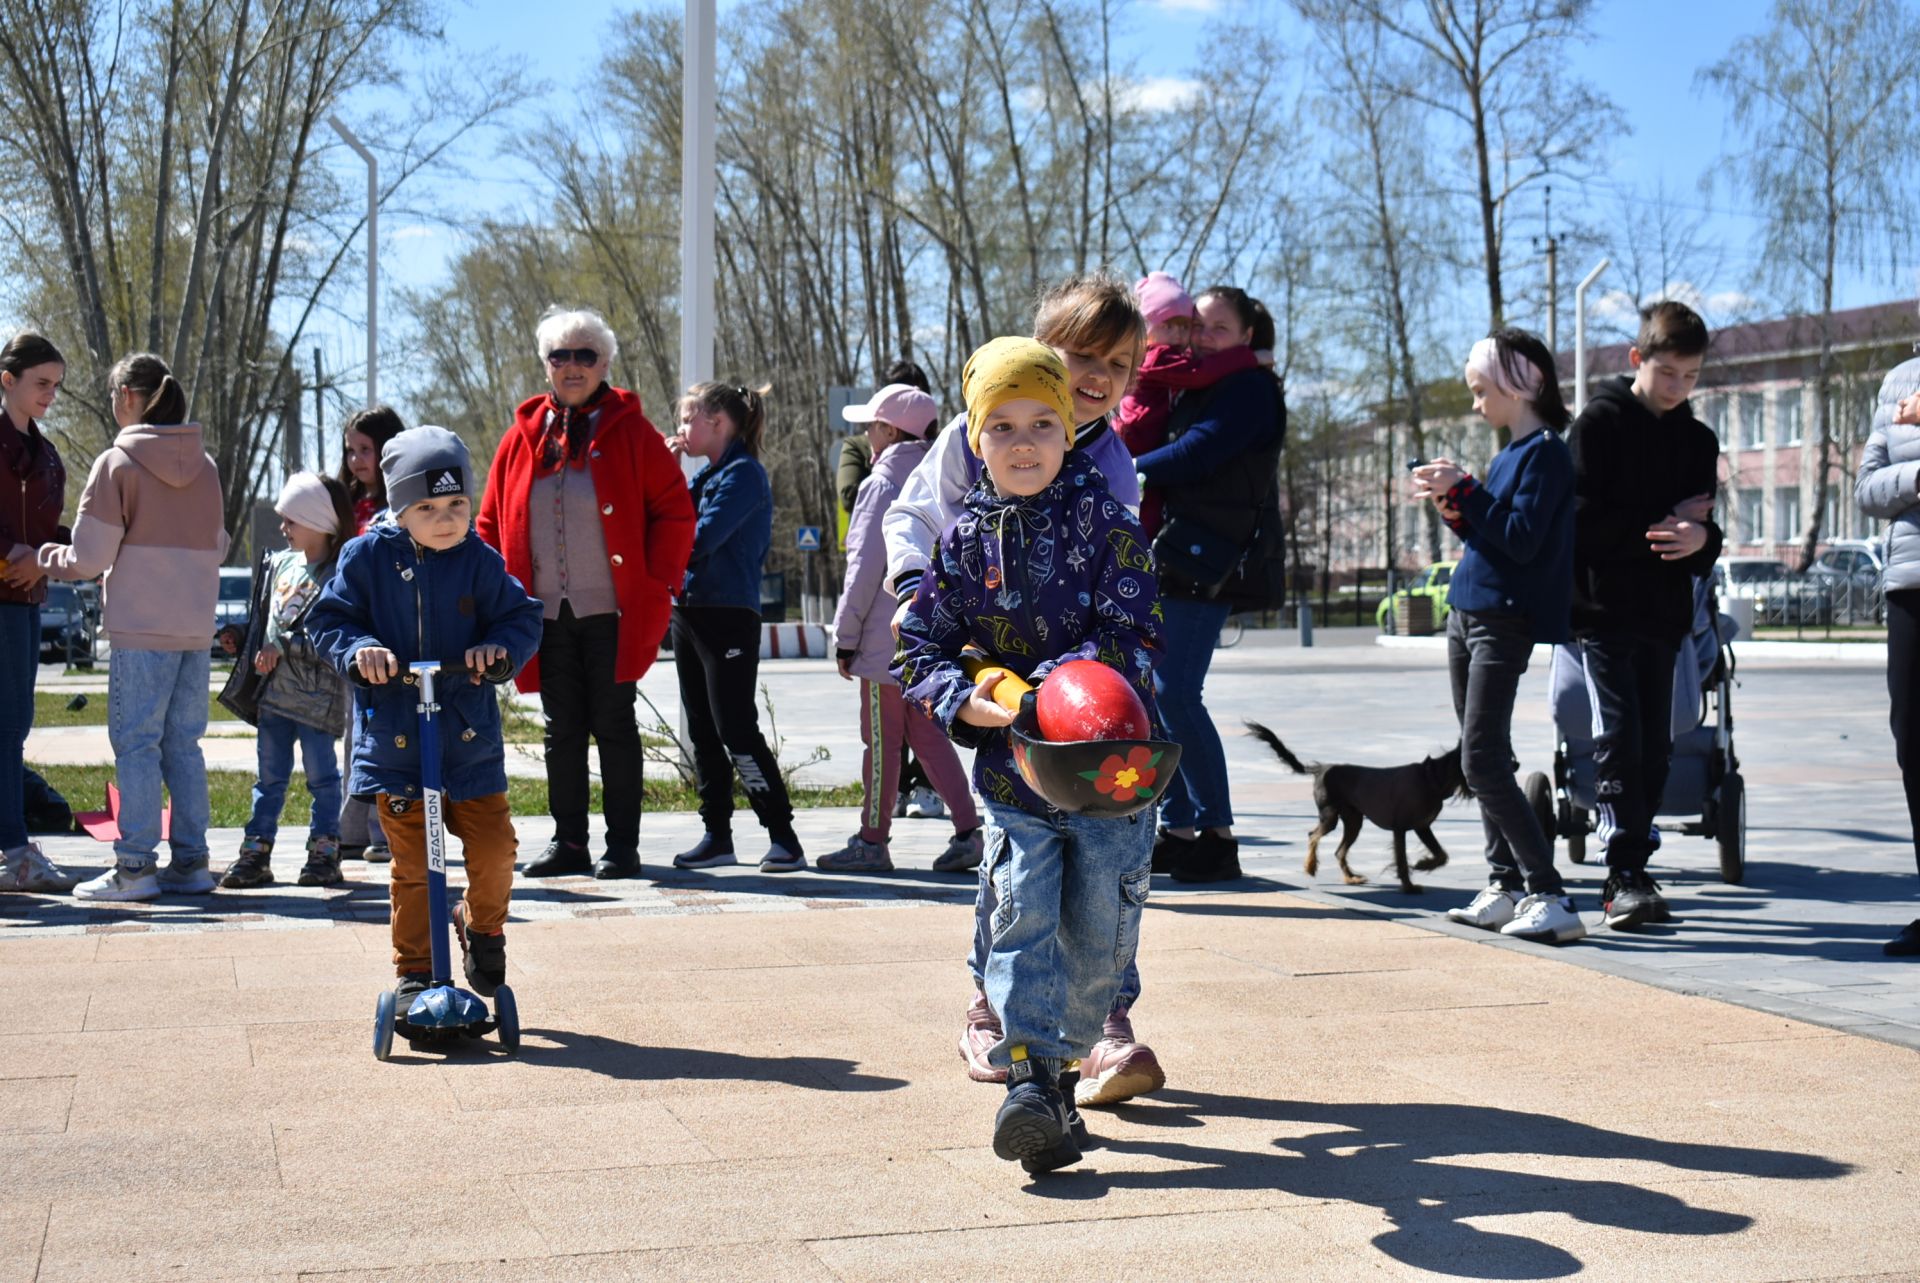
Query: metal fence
x=1812, y=605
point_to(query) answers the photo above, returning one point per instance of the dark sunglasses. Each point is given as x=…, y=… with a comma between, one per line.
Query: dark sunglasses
x=572, y=356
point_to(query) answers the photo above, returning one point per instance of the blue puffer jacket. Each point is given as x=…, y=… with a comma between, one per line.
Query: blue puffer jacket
x=1064, y=574
x=733, y=533
x=390, y=592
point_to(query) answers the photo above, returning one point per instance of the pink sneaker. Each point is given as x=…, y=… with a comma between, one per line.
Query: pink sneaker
x=978, y=1039
x=1118, y=1068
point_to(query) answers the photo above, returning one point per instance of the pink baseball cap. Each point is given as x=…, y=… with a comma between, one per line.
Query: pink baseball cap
x=899, y=405
x=1161, y=297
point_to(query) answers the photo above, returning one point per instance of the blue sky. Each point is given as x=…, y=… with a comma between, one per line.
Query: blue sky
x=1644, y=54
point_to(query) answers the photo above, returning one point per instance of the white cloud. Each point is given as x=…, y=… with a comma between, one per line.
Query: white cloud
x=414, y=233
x=1157, y=93
x=1618, y=308
x=1189, y=6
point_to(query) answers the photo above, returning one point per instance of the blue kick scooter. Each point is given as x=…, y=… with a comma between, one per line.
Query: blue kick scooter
x=444, y=1013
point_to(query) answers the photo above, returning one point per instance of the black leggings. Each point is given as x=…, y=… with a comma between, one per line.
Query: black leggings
x=716, y=651
x=1903, y=690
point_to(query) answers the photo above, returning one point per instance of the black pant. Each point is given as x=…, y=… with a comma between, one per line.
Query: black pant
x=1903, y=689
x=716, y=651
x=580, y=698
x=1486, y=654
x=1630, y=681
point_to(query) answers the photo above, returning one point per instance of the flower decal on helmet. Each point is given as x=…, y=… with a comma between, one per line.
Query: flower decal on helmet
x=1129, y=777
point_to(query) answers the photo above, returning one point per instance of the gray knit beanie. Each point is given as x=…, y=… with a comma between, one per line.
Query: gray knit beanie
x=423, y=463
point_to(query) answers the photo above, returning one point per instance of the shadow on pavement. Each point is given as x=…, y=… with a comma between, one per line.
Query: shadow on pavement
x=612, y=1058
x=1404, y=1158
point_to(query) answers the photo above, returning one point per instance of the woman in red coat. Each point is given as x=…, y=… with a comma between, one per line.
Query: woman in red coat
x=591, y=512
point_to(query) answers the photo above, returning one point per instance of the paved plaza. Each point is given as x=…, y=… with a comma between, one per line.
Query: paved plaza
x=729, y=1075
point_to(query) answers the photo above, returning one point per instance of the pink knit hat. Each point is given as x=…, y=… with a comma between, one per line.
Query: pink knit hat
x=1162, y=297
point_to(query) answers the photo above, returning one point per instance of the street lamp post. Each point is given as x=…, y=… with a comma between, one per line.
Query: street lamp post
x=348, y=137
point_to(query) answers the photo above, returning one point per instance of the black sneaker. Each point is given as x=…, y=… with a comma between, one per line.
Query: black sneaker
x=1168, y=850
x=1632, y=899
x=559, y=860
x=1032, y=1124
x=485, y=956
x=617, y=864
x=1076, y=1125
x=412, y=984
x=1208, y=858
x=1906, y=944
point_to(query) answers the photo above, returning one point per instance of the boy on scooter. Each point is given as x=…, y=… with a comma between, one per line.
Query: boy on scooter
x=422, y=588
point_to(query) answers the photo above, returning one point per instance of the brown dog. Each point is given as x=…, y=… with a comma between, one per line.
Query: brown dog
x=1400, y=799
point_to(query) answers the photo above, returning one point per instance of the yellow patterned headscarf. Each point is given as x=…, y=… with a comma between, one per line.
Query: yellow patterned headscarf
x=1014, y=369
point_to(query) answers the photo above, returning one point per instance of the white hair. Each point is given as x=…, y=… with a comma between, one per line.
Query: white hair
x=558, y=324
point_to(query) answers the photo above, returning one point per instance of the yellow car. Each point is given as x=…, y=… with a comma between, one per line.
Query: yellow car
x=1432, y=582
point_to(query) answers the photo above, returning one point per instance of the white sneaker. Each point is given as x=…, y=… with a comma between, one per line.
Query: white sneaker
x=185, y=877
x=925, y=804
x=1492, y=909
x=27, y=868
x=120, y=884
x=1546, y=919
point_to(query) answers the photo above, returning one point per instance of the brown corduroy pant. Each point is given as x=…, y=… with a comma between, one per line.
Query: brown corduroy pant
x=484, y=826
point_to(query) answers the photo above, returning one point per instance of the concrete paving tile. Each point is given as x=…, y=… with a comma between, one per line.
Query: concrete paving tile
x=774, y=1262
x=159, y=1052
x=1258, y=1244
x=37, y=1013
x=273, y=1231
x=365, y=971
x=158, y=975
x=284, y=1091
x=23, y=1223
x=768, y=1125
x=658, y=1207
x=134, y=1009
x=81, y=1166
x=323, y=1154
x=295, y=940
x=51, y=949
x=35, y=1105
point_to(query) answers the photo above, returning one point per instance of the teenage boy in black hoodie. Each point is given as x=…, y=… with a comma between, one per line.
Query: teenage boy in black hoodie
x=1645, y=472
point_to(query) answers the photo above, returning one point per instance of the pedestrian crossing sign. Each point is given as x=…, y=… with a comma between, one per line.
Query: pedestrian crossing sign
x=807, y=538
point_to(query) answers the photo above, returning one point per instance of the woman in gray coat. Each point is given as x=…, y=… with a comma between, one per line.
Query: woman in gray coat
x=1889, y=488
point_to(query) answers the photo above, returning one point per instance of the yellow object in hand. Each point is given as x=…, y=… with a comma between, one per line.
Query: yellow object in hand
x=1011, y=686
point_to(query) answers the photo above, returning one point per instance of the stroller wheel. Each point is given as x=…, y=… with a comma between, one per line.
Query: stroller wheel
x=1576, y=829
x=1730, y=829
x=1539, y=791
x=383, y=1026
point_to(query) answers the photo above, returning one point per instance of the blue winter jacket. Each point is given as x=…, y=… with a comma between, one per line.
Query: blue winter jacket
x=1518, y=528
x=735, y=528
x=388, y=591
x=1064, y=574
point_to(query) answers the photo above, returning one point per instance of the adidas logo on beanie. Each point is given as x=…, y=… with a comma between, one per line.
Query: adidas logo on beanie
x=424, y=463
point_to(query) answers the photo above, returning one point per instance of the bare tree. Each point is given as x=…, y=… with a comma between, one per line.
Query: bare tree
x=1825, y=103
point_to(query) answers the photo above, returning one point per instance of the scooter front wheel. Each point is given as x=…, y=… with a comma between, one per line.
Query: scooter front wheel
x=506, y=1015
x=383, y=1026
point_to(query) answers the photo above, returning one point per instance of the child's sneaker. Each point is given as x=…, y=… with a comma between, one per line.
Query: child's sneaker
x=252, y=868
x=485, y=956
x=711, y=851
x=925, y=804
x=1076, y=1126
x=186, y=877
x=1547, y=919
x=784, y=856
x=857, y=856
x=1118, y=1068
x=377, y=853
x=410, y=986
x=1492, y=909
x=962, y=854
x=1032, y=1124
x=981, y=1034
x=27, y=868
x=322, y=868
x=121, y=883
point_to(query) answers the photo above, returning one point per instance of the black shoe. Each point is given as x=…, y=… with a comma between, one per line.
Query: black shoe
x=559, y=860
x=1032, y=1124
x=1208, y=858
x=1632, y=899
x=1076, y=1125
x=412, y=984
x=617, y=864
x=1169, y=850
x=1906, y=944
x=485, y=956
x=711, y=851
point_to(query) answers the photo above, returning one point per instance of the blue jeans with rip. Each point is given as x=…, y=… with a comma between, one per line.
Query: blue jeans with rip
x=156, y=714
x=278, y=735
x=19, y=669
x=1199, y=796
x=1069, y=894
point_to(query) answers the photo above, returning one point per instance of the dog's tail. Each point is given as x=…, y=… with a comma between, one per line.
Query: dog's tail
x=1280, y=750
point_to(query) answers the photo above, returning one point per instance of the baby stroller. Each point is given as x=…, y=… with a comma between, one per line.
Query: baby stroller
x=1705, y=777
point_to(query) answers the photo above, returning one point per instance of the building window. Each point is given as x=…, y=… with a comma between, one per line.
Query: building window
x=1790, y=410
x=1786, y=513
x=1718, y=409
x=1751, y=516
x=1753, y=421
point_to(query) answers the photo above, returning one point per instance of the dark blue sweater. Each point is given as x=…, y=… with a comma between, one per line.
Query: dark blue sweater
x=734, y=532
x=1519, y=536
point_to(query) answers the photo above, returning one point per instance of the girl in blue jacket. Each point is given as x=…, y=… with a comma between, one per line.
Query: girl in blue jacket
x=1512, y=588
x=716, y=625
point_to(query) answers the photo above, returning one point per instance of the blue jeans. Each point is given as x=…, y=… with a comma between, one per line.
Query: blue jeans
x=1199, y=796
x=19, y=667
x=156, y=714
x=278, y=735
x=984, y=901
x=1070, y=891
